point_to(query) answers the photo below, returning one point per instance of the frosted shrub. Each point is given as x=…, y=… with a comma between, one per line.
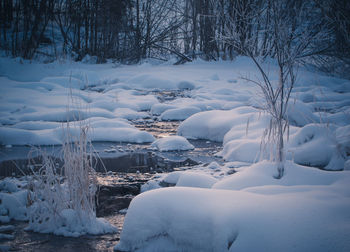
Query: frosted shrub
x=65, y=205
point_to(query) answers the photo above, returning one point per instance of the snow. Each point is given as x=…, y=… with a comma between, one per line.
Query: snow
x=232, y=205
x=178, y=114
x=172, y=143
x=13, y=205
x=316, y=145
x=68, y=223
x=158, y=109
x=213, y=125
x=130, y=114
x=260, y=215
x=189, y=179
x=196, y=179
x=55, y=136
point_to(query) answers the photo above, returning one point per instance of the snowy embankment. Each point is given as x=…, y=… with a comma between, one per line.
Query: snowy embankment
x=307, y=210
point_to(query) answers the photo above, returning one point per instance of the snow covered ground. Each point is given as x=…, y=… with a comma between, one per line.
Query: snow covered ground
x=208, y=209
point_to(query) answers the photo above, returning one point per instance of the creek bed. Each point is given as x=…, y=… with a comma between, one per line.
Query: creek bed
x=126, y=167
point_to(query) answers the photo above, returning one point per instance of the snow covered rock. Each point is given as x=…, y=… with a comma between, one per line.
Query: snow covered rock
x=213, y=125
x=189, y=179
x=158, y=109
x=179, y=114
x=196, y=179
x=195, y=219
x=172, y=143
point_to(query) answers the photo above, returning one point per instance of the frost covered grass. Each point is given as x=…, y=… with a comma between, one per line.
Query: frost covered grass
x=62, y=200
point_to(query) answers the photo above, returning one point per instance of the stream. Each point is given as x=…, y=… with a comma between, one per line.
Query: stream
x=121, y=168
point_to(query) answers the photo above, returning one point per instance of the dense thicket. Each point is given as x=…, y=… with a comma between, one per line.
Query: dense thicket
x=130, y=30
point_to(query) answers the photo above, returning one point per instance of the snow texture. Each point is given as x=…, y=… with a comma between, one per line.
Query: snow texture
x=236, y=219
x=172, y=143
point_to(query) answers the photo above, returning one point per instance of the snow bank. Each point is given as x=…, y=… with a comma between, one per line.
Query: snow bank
x=172, y=143
x=262, y=174
x=107, y=133
x=193, y=219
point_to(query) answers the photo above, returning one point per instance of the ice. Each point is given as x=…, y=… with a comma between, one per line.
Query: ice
x=172, y=143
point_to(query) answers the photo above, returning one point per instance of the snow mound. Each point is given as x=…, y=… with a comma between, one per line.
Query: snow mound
x=147, y=81
x=109, y=133
x=185, y=85
x=300, y=114
x=189, y=179
x=262, y=174
x=13, y=206
x=179, y=114
x=172, y=143
x=158, y=109
x=196, y=179
x=213, y=125
x=130, y=114
x=196, y=219
x=343, y=137
x=316, y=145
x=243, y=150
